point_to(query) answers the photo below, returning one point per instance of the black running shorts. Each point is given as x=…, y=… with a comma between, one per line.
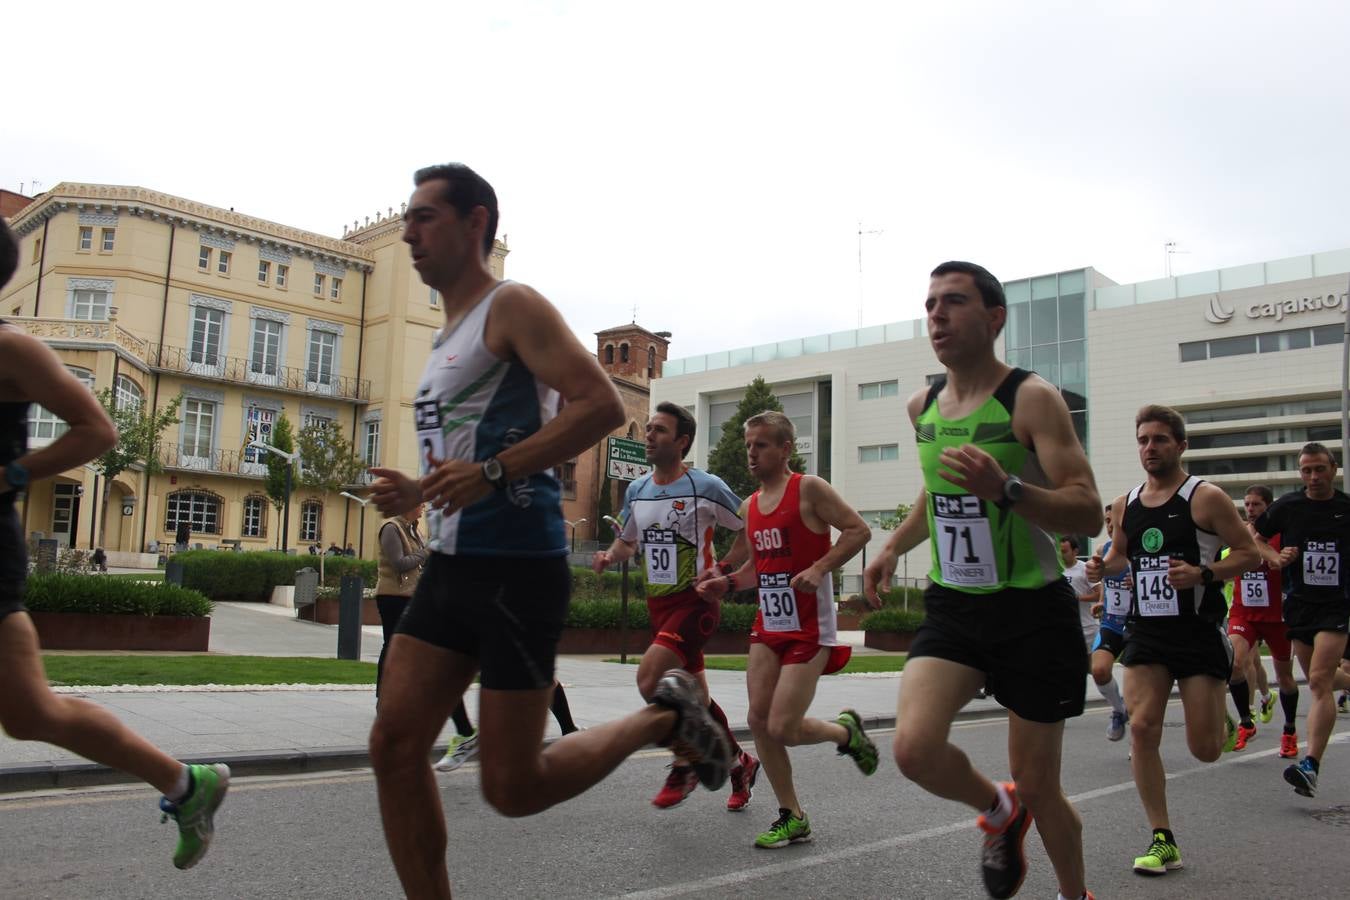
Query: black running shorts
x=13, y=560
x=1306, y=618
x=505, y=612
x=1028, y=642
x=1185, y=645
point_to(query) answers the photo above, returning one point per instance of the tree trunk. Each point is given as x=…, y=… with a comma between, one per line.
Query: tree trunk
x=103, y=513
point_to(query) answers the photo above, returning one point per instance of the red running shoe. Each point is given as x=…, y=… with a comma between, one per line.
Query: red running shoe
x=1289, y=745
x=1244, y=735
x=742, y=780
x=679, y=784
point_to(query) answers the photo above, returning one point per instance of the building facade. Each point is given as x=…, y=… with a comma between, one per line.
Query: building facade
x=1251, y=355
x=245, y=320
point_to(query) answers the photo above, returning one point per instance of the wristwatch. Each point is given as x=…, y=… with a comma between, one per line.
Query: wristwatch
x=493, y=473
x=16, y=476
x=1206, y=575
x=1013, y=490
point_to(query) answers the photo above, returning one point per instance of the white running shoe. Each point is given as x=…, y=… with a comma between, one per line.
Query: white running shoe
x=461, y=750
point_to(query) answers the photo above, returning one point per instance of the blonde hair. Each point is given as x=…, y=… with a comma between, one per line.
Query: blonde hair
x=780, y=423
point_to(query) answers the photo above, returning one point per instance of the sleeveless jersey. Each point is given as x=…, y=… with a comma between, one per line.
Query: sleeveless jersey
x=1117, y=594
x=13, y=435
x=1256, y=594
x=471, y=405
x=783, y=546
x=1155, y=536
x=673, y=523
x=1321, y=531
x=978, y=548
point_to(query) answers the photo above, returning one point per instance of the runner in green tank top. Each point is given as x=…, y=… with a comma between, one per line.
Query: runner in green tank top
x=998, y=610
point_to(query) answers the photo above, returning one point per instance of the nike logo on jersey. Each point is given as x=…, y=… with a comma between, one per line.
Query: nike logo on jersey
x=1173, y=515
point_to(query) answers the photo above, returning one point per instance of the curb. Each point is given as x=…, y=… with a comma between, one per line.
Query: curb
x=40, y=776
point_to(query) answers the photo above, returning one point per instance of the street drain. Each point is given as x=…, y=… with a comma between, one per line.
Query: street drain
x=1336, y=815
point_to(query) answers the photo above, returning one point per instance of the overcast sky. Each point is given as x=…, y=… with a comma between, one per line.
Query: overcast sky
x=709, y=163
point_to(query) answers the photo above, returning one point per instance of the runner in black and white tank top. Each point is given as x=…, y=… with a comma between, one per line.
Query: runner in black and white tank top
x=1156, y=535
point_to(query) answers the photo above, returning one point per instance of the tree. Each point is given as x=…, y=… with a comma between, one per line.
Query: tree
x=327, y=462
x=138, y=431
x=275, y=481
x=727, y=460
x=890, y=523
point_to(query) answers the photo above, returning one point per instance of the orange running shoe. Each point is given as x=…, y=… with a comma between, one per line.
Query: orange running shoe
x=1289, y=745
x=1244, y=735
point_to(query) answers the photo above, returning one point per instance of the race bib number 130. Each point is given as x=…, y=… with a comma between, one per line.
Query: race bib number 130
x=778, y=603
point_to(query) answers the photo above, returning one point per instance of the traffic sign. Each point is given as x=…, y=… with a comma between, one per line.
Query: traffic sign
x=627, y=459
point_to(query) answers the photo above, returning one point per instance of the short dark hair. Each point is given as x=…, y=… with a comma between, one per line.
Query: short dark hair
x=685, y=426
x=464, y=190
x=9, y=253
x=1071, y=540
x=1312, y=448
x=1168, y=416
x=991, y=289
x=1260, y=490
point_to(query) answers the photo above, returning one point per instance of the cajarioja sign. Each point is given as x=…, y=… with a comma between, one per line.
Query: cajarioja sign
x=1218, y=312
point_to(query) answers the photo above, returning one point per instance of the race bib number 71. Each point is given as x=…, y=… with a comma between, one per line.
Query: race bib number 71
x=965, y=543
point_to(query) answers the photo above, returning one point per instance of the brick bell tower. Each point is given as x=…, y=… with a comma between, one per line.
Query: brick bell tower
x=632, y=353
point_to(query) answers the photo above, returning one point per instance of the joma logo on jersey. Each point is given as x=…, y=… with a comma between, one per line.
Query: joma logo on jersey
x=953, y=431
x=955, y=505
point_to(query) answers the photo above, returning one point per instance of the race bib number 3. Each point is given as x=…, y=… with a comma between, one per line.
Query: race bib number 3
x=1156, y=595
x=658, y=546
x=778, y=603
x=1117, y=601
x=965, y=543
x=1321, y=568
x=1255, y=590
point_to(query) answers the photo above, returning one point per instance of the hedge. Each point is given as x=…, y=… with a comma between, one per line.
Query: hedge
x=605, y=614
x=251, y=576
x=892, y=618
x=60, y=593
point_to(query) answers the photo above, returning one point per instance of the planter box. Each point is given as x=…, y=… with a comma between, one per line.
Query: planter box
x=606, y=640
x=847, y=621
x=124, y=559
x=894, y=641
x=88, y=631
x=325, y=611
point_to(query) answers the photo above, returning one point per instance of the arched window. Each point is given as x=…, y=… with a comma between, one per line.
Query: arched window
x=623, y=353
x=129, y=393
x=651, y=362
x=255, y=516
x=43, y=424
x=200, y=509
x=609, y=354
x=311, y=520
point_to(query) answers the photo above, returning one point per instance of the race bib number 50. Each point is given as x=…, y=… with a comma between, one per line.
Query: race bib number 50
x=965, y=543
x=658, y=546
x=778, y=603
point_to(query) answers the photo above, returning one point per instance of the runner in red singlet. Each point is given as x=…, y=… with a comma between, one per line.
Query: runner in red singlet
x=794, y=640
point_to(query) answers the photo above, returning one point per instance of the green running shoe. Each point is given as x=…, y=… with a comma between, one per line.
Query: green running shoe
x=1267, y=708
x=786, y=829
x=859, y=745
x=1161, y=858
x=195, y=815
x=1230, y=734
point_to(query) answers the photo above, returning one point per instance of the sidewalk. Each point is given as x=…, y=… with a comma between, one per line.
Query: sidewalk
x=279, y=729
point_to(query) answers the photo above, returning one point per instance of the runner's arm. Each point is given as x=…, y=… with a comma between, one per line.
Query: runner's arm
x=912, y=532
x=1214, y=512
x=1269, y=554
x=825, y=506
x=1072, y=505
x=38, y=375
x=1117, y=558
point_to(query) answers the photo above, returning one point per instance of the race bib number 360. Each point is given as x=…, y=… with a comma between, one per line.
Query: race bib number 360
x=965, y=543
x=658, y=545
x=778, y=603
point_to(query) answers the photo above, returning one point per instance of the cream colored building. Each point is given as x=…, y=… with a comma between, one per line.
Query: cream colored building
x=244, y=319
x=1251, y=355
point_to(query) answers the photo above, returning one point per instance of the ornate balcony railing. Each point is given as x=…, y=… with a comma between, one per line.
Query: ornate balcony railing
x=92, y=331
x=222, y=461
x=238, y=370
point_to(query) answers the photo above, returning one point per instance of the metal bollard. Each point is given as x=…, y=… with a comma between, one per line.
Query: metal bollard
x=349, y=617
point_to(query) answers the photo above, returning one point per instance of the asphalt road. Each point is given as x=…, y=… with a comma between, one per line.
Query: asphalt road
x=1241, y=830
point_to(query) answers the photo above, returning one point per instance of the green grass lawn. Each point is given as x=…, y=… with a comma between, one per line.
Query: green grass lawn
x=868, y=663
x=65, y=669
x=147, y=575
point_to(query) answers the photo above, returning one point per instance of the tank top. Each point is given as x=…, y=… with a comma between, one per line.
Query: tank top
x=13, y=436
x=675, y=524
x=1117, y=593
x=978, y=548
x=471, y=405
x=1257, y=592
x=1158, y=534
x=783, y=546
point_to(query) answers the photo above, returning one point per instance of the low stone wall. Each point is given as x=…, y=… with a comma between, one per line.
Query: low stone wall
x=325, y=611
x=125, y=559
x=894, y=641
x=88, y=631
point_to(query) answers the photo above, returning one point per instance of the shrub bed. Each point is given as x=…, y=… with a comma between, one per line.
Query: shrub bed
x=892, y=618
x=251, y=576
x=605, y=614
x=95, y=594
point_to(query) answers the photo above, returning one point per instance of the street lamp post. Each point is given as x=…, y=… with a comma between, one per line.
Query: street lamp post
x=573, y=526
x=617, y=527
x=286, y=514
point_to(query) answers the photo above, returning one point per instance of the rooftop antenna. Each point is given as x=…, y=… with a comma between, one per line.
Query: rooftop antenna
x=862, y=232
x=1170, y=250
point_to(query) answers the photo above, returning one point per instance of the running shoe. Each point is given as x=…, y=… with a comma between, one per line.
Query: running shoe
x=1244, y=734
x=696, y=736
x=1343, y=702
x=1115, y=729
x=742, y=780
x=858, y=746
x=1303, y=777
x=786, y=829
x=462, y=749
x=195, y=814
x=1267, y=708
x=680, y=783
x=1161, y=858
x=1002, y=860
x=1230, y=733
x=1289, y=745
